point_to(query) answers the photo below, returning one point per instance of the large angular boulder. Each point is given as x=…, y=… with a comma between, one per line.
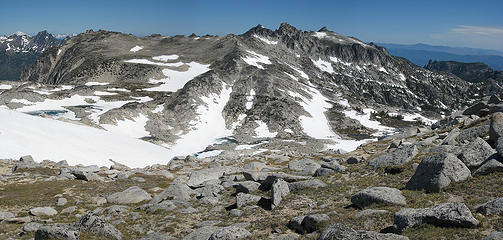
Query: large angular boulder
x=489, y=167
x=313, y=183
x=496, y=127
x=470, y=134
x=494, y=236
x=450, y=139
x=93, y=224
x=57, y=231
x=446, y=214
x=24, y=163
x=176, y=191
x=314, y=222
x=338, y=231
x=243, y=199
x=279, y=191
x=204, y=232
x=131, y=195
x=476, y=152
x=493, y=207
x=230, y=233
x=304, y=166
x=438, y=171
x=197, y=178
x=378, y=195
x=499, y=146
x=401, y=155
x=43, y=211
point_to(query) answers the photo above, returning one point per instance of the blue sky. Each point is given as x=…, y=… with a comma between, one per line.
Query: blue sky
x=475, y=23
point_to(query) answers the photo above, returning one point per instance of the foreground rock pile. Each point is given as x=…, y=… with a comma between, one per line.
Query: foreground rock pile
x=440, y=183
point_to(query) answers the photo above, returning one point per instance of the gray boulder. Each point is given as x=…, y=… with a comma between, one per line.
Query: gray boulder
x=378, y=195
x=247, y=186
x=6, y=215
x=455, y=150
x=470, y=134
x=201, y=233
x=353, y=160
x=476, y=152
x=243, y=199
x=314, y=222
x=499, y=146
x=338, y=231
x=313, y=183
x=57, y=231
x=489, y=167
x=31, y=227
x=496, y=127
x=176, y=191
x=304, y=166
x=494, y=236
x=61, y=202
x=43, y=211
x=197, y=178
x=230, y=233
x=131, y=195
x=450, y=139
x=157, y=236
x=438, y=171
x=93, y=224
x=262, y=176
x=86, y=176
x=400, y=156
x=493, y=207
x=279, y=191
x=334, y=165
x=446, y=214
x=323, y=172
x=25, y=162
x=296, y=224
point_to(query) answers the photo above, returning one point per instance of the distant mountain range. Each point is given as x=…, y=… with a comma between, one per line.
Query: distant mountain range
x=19, y=50
x=420, y=54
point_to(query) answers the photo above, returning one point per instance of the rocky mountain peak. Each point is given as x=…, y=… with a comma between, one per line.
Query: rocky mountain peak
x=287, y=29
x=323, y=29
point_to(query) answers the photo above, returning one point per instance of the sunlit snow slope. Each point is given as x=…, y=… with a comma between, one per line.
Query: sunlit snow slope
x=22, y=134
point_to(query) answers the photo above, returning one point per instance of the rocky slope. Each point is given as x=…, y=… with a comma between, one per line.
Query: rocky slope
x=20, y=50
x=269, y=88
x=442, y=182
x=472, y=72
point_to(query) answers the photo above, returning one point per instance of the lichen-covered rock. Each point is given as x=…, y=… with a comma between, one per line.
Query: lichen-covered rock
x=378, y=195
x=476, y=152
x=438, y=171
x=400, y=156
x=493, y=207
x=446, y=214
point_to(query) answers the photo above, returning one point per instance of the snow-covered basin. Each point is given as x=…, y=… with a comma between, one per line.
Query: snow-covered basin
x=22, y=134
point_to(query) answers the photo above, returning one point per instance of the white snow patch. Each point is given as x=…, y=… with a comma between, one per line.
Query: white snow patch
x=5, y=87
x=96, y=83
x=344, y=102
x=208, y=126
x=302, y=73
x=292, y=76
x=158, y=109
x=177, y=79
x=364, y=119
x=42, y=92
x=59, y=51
x=136, y=48
x=43, y=138
x=212, y=153
x=165, y=58
x=148, y=62
x=288, y=130
x=336, y=60
x=267, y=41
x=320, y=34
x=118, y=90
x=348, y=145
x=323, y=65
x=402, y=77
x=262, y=131
x=134, y=127
x=103, y=93
x=412, y=117
x=255, y=59
x=23, y=101
x=316, y=125
x=382, y=69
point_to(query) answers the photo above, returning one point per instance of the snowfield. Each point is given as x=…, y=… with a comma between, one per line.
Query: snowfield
x=136, y=49
x=175, y=80
x=255, y=59
x=22, y=134
x=323, y=65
